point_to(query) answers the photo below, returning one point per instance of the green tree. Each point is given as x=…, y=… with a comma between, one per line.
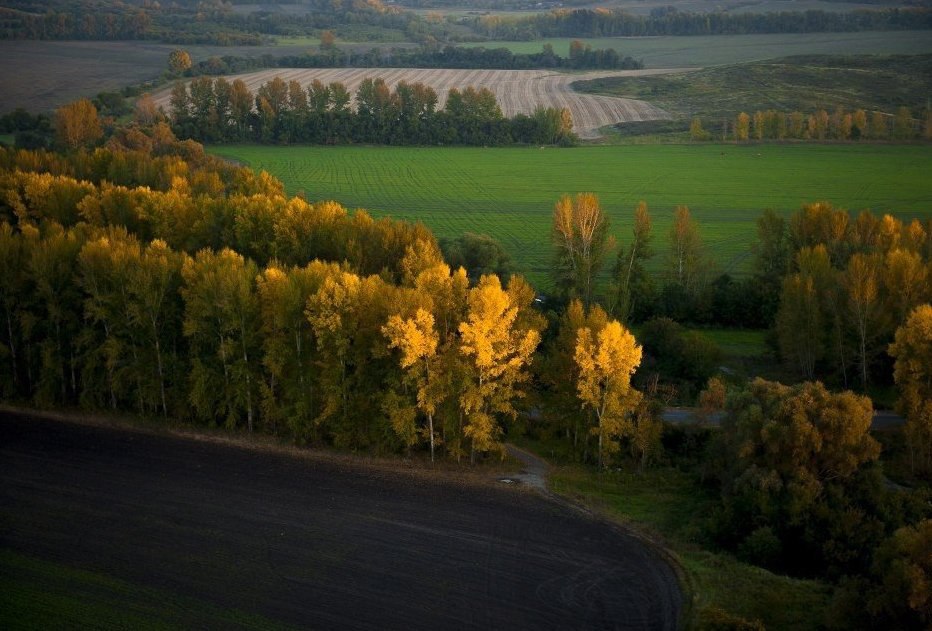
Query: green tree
x=221, y=322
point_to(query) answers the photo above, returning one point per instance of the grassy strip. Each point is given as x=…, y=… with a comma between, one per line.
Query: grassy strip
x=668, y=505
x=40, y=594
x=806, y=84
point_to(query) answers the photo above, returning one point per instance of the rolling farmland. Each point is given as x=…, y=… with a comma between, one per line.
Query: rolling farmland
x=517, y=91
x=509, y=192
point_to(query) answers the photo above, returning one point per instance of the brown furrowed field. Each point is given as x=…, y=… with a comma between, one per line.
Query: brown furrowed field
x=517, y=91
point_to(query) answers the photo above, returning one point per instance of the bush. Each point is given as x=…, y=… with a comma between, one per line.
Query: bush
x=761, y=547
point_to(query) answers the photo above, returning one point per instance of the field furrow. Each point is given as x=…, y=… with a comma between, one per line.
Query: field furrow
x=517, y=91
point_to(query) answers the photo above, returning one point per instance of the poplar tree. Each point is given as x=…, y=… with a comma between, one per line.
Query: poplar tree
x=581, y=242
x=498, y=353
x=606, y=360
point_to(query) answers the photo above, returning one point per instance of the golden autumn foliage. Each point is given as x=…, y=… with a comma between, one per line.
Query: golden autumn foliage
x=606, y=360
x=77, y=124
x=498, y=353
x=912, y=372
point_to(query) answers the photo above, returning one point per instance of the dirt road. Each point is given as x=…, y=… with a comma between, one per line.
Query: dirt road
x=315, y=543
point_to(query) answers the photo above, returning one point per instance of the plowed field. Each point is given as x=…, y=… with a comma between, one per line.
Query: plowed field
x=517, y=91
x=106, y=528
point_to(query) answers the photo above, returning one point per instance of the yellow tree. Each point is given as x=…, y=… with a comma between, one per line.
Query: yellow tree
x=685, y=249
x=742, y=126
x=77, y=124
x=861, y=282
x=581, y=241
x=418, y=341
x=606, y=361
x=498, y=353
x=912, y=372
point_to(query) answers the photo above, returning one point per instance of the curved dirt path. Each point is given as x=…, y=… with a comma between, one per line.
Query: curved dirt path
x=193, y=528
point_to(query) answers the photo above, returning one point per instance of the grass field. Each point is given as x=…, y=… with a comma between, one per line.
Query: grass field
x=509, y=193
x=712, y=50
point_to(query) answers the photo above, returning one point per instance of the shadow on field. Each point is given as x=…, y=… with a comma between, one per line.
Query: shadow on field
x=302, y=542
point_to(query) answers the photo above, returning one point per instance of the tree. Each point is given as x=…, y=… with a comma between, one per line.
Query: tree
x=912, y=372
x=479, y=254
x=771, y=259
x=879, y=128
x=221, y=321
x=498, y=353
x=179, y=61
x=327, y=40
x=581, y=242
x=418, y=341
x=154, y=308
x=903, y=124
x=146, y=112
x=861, y=284
x=606, y=360
x=633, y=282
x=77, y=124
x=795, y=460
x=742, y=126
x=685, y=250
x=696, y=132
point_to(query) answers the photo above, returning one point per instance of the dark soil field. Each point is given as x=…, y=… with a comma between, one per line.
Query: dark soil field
x=219, y=536
x=41, y=75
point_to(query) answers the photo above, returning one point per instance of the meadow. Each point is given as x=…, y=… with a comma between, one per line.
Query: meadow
x=712, y=50
x=509, y=193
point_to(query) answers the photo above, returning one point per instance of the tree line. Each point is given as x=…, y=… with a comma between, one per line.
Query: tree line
x=604, y=22
x=280, y=112
x=581, y=57
x=820, y=125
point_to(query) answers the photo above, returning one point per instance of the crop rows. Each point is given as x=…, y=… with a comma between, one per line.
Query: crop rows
x=517, y=91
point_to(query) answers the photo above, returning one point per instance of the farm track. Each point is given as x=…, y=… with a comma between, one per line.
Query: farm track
x=517, y=91
x=314, y=542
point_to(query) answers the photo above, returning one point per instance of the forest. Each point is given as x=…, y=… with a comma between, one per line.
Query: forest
x=581, y=57
x=217, y=23
x=142, y=275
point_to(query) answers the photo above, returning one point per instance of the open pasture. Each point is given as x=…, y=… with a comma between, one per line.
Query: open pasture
x=509, y=193
x=711, y=50
x=517, y=91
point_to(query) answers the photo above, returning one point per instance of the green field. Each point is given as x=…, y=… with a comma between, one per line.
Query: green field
x=712, y=50
x=509, y=193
